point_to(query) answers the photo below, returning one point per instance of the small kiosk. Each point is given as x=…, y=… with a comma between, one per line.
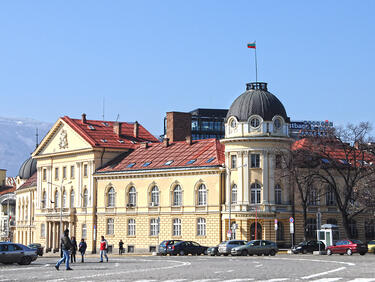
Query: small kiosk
x=328, y=233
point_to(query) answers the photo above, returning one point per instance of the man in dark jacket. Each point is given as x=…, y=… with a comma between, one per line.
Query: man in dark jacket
x=82, y=248
x=66, y=245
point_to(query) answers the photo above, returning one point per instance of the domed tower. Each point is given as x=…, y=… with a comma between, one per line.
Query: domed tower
x=27, y=169
x=256, y=133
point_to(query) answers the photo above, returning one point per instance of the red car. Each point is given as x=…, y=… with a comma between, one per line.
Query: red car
x=347, y=246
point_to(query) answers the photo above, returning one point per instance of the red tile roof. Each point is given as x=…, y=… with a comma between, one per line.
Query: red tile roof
x=179, y=152
x=31, y=182
x=100, y=133
x=7, y=189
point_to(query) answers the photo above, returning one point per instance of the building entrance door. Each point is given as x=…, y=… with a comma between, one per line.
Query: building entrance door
x=259, y=231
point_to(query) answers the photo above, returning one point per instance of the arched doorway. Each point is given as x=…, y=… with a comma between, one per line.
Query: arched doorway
x=252, y=231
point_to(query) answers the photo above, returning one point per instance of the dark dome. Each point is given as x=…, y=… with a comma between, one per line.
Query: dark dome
x=256, y=100
x=28, y=168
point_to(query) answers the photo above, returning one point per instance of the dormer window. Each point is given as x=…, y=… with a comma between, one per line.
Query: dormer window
x=277, y=124
x=233, y=123
x=91, y=127
x=104, y=140
x=254, y=122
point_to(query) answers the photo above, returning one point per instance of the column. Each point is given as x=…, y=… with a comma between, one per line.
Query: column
x=246, y=179
x=227, y=182
x=53, y=235
x=79, y=175
x=265, y=178
x=240, y=177
x=47, y=234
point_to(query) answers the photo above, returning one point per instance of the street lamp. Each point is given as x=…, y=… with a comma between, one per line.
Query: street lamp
x=61, y=203
x=228, y=171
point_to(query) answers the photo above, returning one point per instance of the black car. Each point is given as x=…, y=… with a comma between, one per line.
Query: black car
x=185, y=248
x=164, y=245
x=38, y=247
x=213, y=251
x=308, y=247
x=11, y=253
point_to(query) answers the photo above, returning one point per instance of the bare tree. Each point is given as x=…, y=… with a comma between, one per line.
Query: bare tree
x=346, y=166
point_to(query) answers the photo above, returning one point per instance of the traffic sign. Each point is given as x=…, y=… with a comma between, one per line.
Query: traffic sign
x=275, y=221
x=229, y=234
x=291, y=219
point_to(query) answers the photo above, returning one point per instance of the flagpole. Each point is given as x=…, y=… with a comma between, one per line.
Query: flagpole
x=256, y=65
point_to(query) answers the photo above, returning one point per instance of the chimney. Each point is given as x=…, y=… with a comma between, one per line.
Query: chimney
x=83, y=118
x=144, y=145
x=166, y=142
x=178, y=126
x=188, y=140
x=135, y=131
x=117, y=128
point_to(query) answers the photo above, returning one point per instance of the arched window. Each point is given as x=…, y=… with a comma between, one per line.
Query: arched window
x=177, y=196
x=72, y=198
x=132, y=197
x=86, y=198
x=277, y=194
x=280, y=231
x=258, y=231
x=234, y=194
x=56, y=199
x=202, y=195
x=330, y=197
x=111, y=197
x=176, y=227
x=155, y=196
x=44, y=200
x=201, y=227
x=64, y=199
x=255, y=193
x=311, y=228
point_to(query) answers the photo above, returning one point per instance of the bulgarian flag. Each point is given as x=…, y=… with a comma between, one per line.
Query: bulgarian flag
x=251, y=45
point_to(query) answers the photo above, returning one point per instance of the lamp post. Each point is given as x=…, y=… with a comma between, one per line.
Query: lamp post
x=61, y=203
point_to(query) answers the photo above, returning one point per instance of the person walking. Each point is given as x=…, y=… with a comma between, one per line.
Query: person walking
x=66, y=245
x=103, y=249
x=82, y=248
x=74, y=251
x=120, y=247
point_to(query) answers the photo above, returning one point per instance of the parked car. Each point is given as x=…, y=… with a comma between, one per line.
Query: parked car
x=371, y=246
x=11, y=253
x=164, y=245
x=347, y=246
x=226, y=246
x=213, y=251
x=38, y=247
x=308, y=247
x=185, y=248
x=256, y=247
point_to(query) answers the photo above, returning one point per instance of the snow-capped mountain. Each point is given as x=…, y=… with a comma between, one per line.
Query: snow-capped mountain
x=18, y=141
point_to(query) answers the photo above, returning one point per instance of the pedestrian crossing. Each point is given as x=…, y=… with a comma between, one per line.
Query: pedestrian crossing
x=269, y=280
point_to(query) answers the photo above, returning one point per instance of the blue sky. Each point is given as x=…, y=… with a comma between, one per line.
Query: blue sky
x=148, y=57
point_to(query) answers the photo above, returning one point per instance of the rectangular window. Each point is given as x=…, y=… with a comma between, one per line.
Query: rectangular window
x=176, y=227
x=278, y=196
x=44, y=174
x=131, y=227
x=278, y=161
x=130, y=249
x=56, y=173
x=201, y=227
x=154, y=227
x=64, y=172
x=85, y=170
x=84, y=231
x=110, y=226
x=233, y=161
x=43, y=230
x=254, y=160
x=72, y=171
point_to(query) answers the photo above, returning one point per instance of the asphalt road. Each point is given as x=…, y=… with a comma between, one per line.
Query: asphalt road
x=200, y=268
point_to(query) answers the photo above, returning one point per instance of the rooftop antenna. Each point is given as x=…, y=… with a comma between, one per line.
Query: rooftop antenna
x=118, y=116
x=103, y=107
x=36, y=138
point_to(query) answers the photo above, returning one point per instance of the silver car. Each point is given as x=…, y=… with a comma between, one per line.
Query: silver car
x=12, y=252
x=256, y=247
x=226, y=247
